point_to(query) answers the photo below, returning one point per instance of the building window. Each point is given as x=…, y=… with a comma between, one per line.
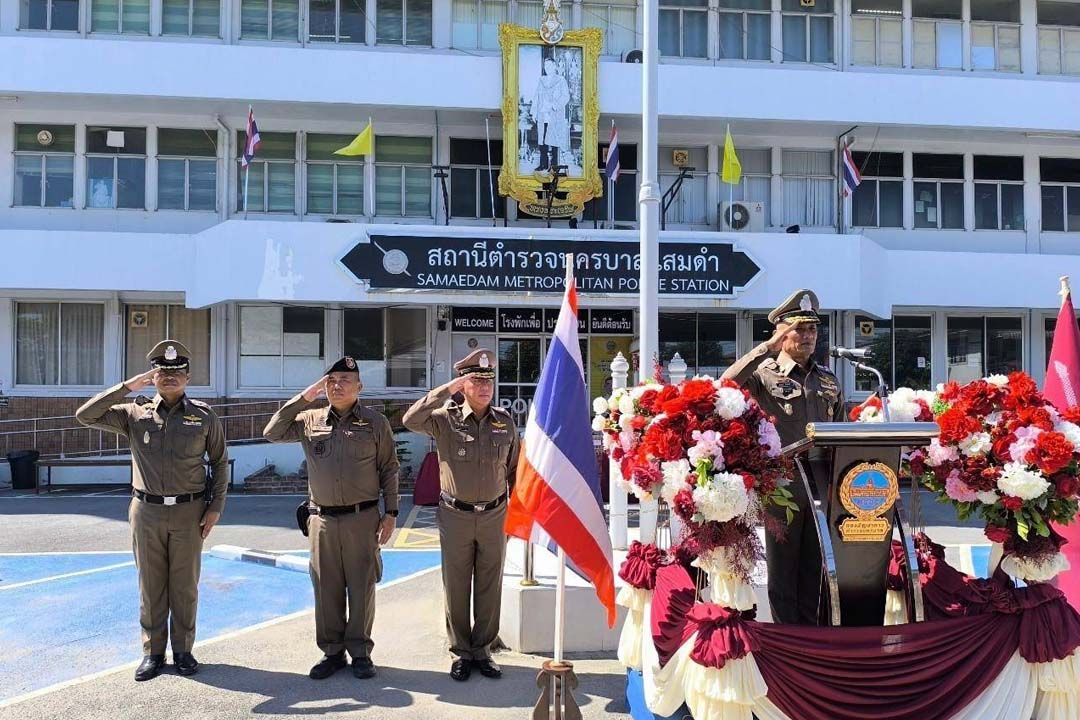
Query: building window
x=995, y=35
x=617, y=20
x=187, y=169
x=706, y=341
x=116, y=168
x=938, y=30
x=403, y=176
x=808, y=31
x=756, y=182
x=129, y=17
x=59, y=343
x=473, y=180
x=1059, y=38
x=688, y=206
x=335, y=183
x=745, y=29
x=191, y=18
x=476, y=23
x=1060, y=185
x=879, y=199
x=281, y=347
x=271, y=186
x=270, y=20
x=875, y=335
x=146, y=325
x=389, y=345
x=902, y=351
x=809, y=189
x=876, y=33
x=981, y=346
x=684, y=28
x=49, y=15
x=44, y=166
x=340, y=21
x=939, y=191
x=1049, y=324
x=626, y=188
x=999, y=193
x=763, y=330
x=403, y=22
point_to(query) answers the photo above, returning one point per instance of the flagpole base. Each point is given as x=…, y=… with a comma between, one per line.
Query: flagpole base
x=557, y=682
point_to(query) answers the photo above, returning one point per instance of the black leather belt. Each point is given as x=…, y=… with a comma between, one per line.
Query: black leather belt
x=167, y=499
x=331, y=510
x=453, y=502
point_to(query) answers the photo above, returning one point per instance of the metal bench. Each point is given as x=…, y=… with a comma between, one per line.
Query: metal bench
x=50, y=463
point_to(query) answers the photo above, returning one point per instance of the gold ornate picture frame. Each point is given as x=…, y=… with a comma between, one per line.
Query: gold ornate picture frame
x=551, y=112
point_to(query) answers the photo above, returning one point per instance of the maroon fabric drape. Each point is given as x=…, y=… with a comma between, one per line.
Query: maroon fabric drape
x=639, y=567
x=923, y=670
x=426, y=491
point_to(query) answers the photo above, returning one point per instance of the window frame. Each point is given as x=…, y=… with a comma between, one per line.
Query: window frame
x=337, y=27
x=480, y=180
x=48, y=19
x=301, y=23
x=1060, y=31
x=935, y=23
x=265, y=162
x=57, y=386
x=877, y=180
x=702, y=10
x=405, y=26
x=607, y=5
x=43, y=183
x=743, y=13
x=239, y=356
x=115, y=157
x=120, y=19
x=996, y=26
x=877, y=20
x=807, y=36
x=784, y=175
x=125, y=309
x=1025, y=349
x=191, y=22
x=187, y=173
x=334, y=188
x=997, y=186
x=1065, y=187
x=428, y=340
x=479, y=5
x=403, y=165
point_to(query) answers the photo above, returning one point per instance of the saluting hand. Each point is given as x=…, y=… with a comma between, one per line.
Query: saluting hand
x=140, y=381
x=386, y=528
x=316, y=390
x=457, y=384
x=777, y=339
x=209, y=520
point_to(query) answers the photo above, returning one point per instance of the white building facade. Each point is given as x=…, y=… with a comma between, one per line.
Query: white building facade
x=121, y=196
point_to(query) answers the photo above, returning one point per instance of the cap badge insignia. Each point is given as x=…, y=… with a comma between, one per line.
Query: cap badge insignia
x=484, y=361
x=170, y=353
x=805, y=305
x=146, y=437
x=350, y=363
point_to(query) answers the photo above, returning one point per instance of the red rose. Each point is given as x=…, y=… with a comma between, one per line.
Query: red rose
x=1000, y=447
x=1012, y=503
x=683, y=503
x=748, y=481
x=736, y=429
x=998, y=534
x=1066, y=485
x=647, y=401
x=1051, y=453
x=638, y=422
x=699, y=395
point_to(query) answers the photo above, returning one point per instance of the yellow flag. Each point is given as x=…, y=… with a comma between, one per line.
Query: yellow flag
x=732, y=171
x=361, y=144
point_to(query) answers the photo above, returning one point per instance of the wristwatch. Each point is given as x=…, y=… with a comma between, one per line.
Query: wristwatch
x=392, y=513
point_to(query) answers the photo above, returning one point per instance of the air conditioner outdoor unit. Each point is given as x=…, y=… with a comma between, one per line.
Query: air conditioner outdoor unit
x=633, y=56
x=741, y=216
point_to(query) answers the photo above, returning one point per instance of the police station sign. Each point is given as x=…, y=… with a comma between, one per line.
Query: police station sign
x=603, y=267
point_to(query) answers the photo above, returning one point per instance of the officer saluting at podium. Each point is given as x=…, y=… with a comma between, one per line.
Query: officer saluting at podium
x=172, y=437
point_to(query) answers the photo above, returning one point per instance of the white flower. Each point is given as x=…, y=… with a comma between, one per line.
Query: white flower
x=626, y=405
x=992, y=419
x=599, y=405
x=870, y=414
x=723, y=498
x=599, y=423
x=1016, y=480
x=999, y=380
x=626, y=440
x=768, y=437
x=1032, y=570
x=638, y=391
x=730, y=403
x=927, y=396
x=976, y=444
x=987, y=497
x=626, y=422
x=1071, y=431
x=937, y=454
x=675, y=474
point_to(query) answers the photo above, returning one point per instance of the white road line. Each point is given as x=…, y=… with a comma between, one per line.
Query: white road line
x=202, y=643
x=65, y=552
x=13, y=586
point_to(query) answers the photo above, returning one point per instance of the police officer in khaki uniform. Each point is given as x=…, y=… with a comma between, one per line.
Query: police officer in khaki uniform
x=478, y=452
x=789, y=385
x=172, y=437
x=351, y=460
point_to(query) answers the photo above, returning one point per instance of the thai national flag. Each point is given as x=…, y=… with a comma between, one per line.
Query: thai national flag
x=557, y=494
x=251, y=132
x=852, y=177
x=612, y=167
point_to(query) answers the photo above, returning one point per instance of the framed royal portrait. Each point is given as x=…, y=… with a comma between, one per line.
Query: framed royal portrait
x=550, y=114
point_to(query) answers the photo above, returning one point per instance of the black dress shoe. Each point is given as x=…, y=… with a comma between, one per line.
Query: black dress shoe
x=488, y=668
x=460, y=670
x=363, y=668
x=149, y=667
x=185, y=663
x=326, y=667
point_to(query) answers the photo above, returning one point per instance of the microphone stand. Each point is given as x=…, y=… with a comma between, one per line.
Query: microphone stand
x=882, y=388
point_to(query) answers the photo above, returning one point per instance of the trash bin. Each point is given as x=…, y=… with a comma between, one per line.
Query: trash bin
x=23, y=469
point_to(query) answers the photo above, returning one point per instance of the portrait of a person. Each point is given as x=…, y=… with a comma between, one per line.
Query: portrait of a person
x=548, y=110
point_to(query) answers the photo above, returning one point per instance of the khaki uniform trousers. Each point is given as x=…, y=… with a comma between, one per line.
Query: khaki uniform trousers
x=473, y=550
x=345, y=566
x=167, y=542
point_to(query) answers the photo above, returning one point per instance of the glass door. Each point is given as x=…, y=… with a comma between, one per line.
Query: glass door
x=518, y=373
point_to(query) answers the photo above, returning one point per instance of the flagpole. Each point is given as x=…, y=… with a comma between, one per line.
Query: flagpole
x=560, y=606
x=247, y=174
x=611, y=190
x=491, y=181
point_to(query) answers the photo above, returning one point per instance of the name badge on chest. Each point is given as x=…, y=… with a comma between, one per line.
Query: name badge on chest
x=787, y=387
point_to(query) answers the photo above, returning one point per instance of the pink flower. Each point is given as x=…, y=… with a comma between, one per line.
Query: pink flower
x=957, y=489
x=938, y=454
x=1026, y=437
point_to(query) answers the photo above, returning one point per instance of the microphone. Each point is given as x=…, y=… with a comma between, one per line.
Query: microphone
x=851, y=353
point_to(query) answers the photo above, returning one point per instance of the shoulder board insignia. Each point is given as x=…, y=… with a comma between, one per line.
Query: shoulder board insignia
x=142, y=400
x=199, y=403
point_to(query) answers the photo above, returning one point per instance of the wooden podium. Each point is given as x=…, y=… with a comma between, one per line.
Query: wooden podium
x=851, y=469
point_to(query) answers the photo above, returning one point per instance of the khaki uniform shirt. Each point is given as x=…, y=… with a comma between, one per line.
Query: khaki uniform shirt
x=350, y=459
x=168, y=445
x=794, y=396
x=478, y=456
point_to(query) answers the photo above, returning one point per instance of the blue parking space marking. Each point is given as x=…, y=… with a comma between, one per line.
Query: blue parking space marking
x=61, y=629
x=980, y=560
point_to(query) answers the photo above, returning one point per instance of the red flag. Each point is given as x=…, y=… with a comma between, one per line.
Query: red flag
x=1062, y=388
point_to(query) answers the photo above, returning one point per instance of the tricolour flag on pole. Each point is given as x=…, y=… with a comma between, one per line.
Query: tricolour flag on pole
x=731, y=172
x=612, y=167
x=360, y=145
x=1062, y=388
x=557, y=494
x=252, y=139
x=852, y=176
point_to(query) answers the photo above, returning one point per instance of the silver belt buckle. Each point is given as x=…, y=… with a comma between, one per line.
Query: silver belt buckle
x=479, y=507
x=169, y=500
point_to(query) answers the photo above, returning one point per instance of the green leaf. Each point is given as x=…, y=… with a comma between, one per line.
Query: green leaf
x=790, y=515
x=1022, y=527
